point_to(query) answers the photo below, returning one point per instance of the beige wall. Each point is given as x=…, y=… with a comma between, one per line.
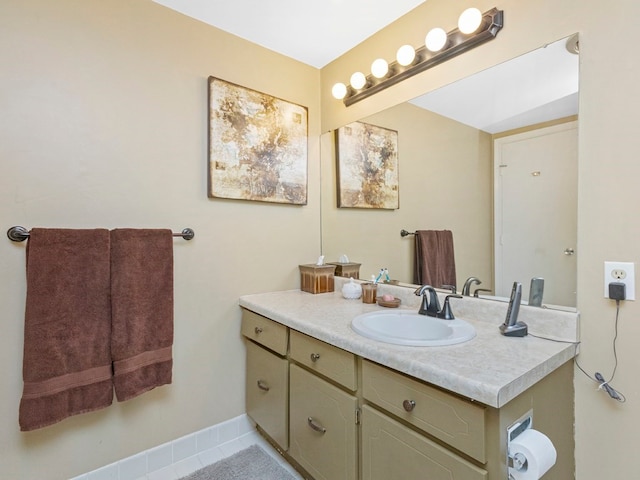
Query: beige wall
x=103, y=123
x=445, y=175
x=608, y=226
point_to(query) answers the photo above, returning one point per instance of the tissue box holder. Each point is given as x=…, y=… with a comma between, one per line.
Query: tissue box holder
x=316, y=278
x=349, y=270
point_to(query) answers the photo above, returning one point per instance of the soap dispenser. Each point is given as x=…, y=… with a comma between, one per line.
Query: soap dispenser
x=351, y=290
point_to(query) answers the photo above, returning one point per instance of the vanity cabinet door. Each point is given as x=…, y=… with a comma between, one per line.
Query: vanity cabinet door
x=392, y=451
x=323, y=436
x=267, y=390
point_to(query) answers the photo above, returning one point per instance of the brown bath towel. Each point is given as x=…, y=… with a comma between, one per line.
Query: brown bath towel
x=67, y=361
x=435, y=263
x=142, y=310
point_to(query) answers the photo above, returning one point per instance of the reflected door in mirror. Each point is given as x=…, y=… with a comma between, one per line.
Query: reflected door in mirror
x=536, y=211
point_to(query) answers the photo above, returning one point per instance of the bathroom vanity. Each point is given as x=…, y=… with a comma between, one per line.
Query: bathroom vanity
x=341, y=406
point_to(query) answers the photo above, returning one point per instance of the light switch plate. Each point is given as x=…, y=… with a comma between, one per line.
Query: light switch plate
x=623, y=272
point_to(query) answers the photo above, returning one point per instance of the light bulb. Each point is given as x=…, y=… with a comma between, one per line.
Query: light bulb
x=339, y=91
x=469, y=20
x=405, y=56
x=379, y=68
x=436, y=39
x=358, y=80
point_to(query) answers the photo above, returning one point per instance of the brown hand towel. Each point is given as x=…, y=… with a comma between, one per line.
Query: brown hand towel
x=67, y=360
x=435, y=263
x=142, y=310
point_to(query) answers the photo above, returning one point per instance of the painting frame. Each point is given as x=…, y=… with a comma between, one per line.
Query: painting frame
x=258, y=145
x=367, y=167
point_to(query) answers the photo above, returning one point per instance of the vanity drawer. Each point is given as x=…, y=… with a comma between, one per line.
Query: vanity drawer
x=332, y=362
x=264, y=331
x=453, y=420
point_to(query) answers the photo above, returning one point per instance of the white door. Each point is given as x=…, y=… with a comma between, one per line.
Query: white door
x=536, y=182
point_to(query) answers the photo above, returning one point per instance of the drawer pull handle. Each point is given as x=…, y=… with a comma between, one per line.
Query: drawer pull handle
x=258, y=330
x=262, y=385
x=315, y=357
x=409, y=405
x=318, y=428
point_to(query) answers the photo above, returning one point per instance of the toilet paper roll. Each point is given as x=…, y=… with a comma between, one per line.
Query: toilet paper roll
x=539, y=451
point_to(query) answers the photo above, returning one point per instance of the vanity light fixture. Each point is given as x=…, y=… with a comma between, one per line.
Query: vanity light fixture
x=474, y=28
x=358, y=80
x=406, y=55
x=339, y=91
x=379, y=68
x=436, y=39
x=469, y=21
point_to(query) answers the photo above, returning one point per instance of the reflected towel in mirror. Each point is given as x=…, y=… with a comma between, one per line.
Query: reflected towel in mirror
x=434, y=258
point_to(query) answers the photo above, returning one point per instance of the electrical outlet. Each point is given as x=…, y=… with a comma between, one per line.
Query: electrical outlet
x=622, y=272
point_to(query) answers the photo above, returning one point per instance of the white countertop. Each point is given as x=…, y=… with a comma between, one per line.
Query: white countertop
x=491, y=368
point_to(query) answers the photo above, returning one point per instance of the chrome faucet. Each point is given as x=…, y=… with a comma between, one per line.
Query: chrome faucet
x=466, y=289
x=452, y=288
x=446, y=313
x=476, y=292
x=430, y=305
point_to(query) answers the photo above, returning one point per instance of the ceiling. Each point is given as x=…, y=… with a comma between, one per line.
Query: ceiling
x=534, y=88
x=314, y=32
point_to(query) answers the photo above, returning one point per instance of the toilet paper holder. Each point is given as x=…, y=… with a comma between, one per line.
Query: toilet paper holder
x=518, y=461
x=530, y=453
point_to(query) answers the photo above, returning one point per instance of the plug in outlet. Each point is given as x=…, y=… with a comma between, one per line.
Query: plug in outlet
x=622, y=272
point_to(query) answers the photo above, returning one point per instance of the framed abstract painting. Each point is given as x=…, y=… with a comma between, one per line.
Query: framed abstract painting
x=367, y=166
x=257, y=146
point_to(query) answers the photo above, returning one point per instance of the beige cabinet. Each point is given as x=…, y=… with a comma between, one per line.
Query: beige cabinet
x=322, y=427
x=412, y=430
x=336, y=416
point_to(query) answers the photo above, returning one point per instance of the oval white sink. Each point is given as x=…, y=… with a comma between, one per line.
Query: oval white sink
x=407, y=327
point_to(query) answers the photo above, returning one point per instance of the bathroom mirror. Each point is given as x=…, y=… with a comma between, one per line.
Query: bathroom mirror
x=446, y=169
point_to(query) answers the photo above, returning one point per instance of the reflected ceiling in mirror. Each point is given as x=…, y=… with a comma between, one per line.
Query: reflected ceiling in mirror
x=534, y=88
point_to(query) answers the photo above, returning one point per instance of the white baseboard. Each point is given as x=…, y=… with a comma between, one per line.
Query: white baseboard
x=182, y=456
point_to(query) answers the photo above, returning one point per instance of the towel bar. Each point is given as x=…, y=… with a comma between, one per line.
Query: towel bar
x=20, y=234
x=404, y=233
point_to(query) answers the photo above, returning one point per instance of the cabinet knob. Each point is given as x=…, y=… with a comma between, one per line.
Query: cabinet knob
x=409, y=405
x=315, y=357
x=316, y=426
x=258, y=330
x=262, y=385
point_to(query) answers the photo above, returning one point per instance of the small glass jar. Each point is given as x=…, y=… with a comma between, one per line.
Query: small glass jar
x=369, y=291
